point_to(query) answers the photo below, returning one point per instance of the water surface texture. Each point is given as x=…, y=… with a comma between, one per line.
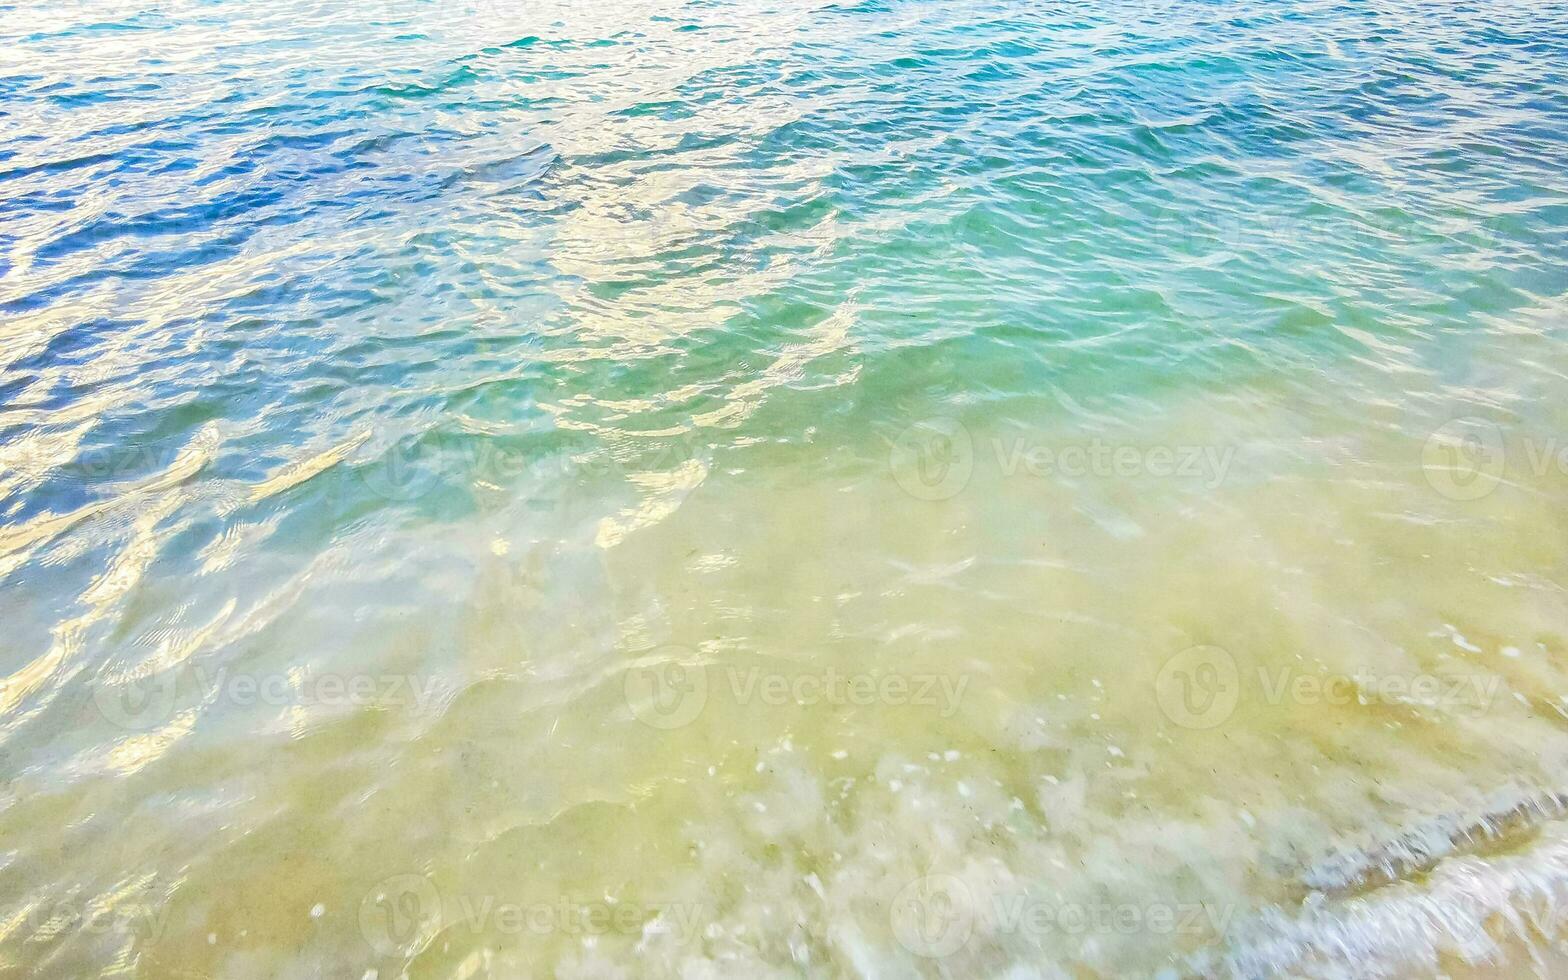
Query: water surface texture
x=884, y=489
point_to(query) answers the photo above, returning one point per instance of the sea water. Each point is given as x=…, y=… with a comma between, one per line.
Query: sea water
x=891, y=488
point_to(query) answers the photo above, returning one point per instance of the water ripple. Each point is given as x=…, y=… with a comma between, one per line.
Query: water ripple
x=487, y=354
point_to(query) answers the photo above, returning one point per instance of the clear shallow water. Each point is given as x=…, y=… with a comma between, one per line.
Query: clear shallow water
x=713, y=489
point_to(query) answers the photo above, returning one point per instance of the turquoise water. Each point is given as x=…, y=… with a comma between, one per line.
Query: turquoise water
x=846, y=489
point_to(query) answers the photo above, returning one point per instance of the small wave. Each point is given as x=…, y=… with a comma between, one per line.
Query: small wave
x=1418, y=901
